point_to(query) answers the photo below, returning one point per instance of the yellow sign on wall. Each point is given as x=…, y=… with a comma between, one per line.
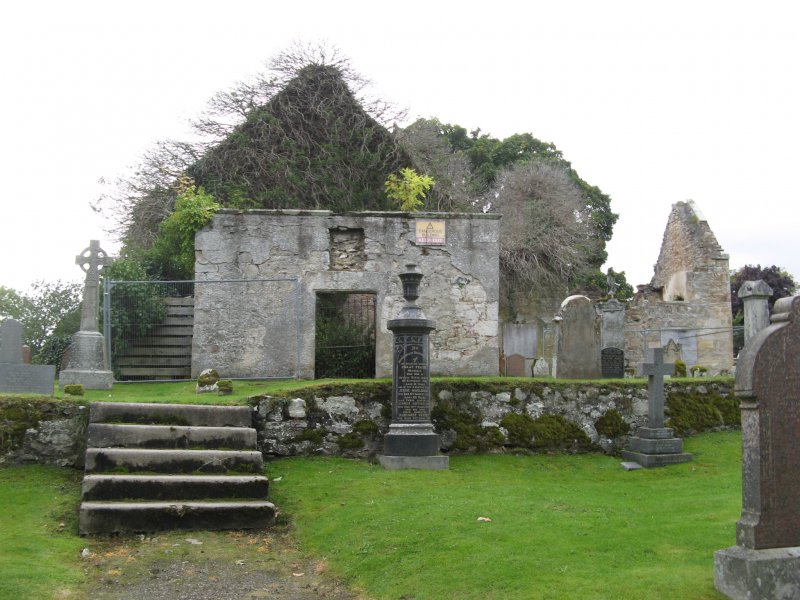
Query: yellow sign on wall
x=431, y=233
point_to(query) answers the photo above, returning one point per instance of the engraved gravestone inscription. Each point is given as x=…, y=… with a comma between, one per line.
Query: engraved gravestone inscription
x=412, y=402
x=612, y=363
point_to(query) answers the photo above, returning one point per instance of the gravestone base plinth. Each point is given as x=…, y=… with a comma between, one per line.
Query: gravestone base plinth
x=412, y=446
x=655, y=447
x=742, y=573
x=87, y=363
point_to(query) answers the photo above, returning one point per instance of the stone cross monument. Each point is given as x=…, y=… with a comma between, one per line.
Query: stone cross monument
x=765, y=562
x=87, y=363
x=656, y=445
x=411, y=442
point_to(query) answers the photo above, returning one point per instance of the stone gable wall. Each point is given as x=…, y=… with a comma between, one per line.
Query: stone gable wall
x=688, y=299
x=267, y=329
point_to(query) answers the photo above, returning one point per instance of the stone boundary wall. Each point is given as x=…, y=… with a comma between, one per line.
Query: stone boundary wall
x=43, y=431
x=350, y=420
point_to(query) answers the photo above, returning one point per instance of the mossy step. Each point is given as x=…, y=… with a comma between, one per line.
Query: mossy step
x=148, y=413
x=174, y=487
x=132, y=460
x=107, y=435
x=119, y=517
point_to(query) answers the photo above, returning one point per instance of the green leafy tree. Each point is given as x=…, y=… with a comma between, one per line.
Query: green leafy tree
x=172, y=256
x=50, y=313
x=408, y=188
x=13, y=305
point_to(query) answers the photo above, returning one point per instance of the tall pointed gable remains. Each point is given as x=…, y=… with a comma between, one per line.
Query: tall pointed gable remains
x=687, y=303
x=691, y=258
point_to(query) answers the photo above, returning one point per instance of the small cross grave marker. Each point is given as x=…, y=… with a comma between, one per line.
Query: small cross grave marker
x=655, y=372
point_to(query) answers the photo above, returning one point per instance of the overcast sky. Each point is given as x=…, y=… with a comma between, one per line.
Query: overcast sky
x=652, y=102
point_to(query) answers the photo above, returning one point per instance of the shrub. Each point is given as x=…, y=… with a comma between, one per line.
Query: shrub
x=611, y=424
x=73, y=389
x=554, y=431
x=680, y=368
x=350, y=441
x=695, y=412
x=520, y=429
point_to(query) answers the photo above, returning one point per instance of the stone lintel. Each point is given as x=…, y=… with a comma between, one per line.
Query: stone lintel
x=649, y=461
x=430, y=463
x=742, y=573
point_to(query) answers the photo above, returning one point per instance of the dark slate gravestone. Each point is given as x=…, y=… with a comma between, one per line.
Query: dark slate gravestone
x=16, y=376
x=515, y=366
x=87, y=363
x=411, y=442
x=655, y=445
x=612, y=363
x=765, y=563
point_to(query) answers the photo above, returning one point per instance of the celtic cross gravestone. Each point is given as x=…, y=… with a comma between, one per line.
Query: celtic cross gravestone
x=87, y=363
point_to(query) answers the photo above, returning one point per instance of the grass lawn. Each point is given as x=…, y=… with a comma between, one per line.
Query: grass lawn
x=183, y=392
x=39, y=545
x=561, y=526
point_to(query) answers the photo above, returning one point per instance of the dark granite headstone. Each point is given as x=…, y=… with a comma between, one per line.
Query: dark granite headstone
x=612, y=363
x=15, y=375
x=655, y=445
x=515, y=366
x=411, y=442
x=765, y=563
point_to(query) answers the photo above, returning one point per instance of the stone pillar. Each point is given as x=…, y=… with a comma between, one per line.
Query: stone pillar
x=755, y=296
x=87, y=364
x=765, y=563
x=411, y=442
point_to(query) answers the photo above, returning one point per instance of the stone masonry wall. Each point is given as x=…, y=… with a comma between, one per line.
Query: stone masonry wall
x=470, y=418
x=351, y=420
x=261, y=329
x=688, y=299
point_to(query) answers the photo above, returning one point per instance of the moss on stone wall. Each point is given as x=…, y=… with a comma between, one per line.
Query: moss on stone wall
x=690, y=412
x=19, y=414
x=611, y=424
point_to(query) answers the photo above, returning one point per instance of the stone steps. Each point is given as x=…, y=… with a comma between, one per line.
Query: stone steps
x=152, y=467
x=107, y=435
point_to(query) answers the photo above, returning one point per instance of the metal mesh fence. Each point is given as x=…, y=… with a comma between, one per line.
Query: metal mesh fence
x=149, y=326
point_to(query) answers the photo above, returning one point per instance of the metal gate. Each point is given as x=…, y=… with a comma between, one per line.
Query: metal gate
x=345, y=335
